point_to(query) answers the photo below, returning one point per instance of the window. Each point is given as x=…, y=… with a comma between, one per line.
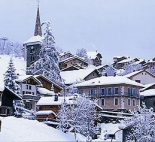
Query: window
x=116, y=91
x=103, y=102
x=80, y=91
x=137, y=81
x=115, y=101
x=129, y=102
x=129, y=91
x=102, y=91
x=23, y=92
x=32, y=58
x=134, y=102
x=109, y=91
x=26, y=86
x=30, y=87
x=93, y=91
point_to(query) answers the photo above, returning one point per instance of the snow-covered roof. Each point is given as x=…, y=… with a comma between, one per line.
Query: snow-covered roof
x=45, y=112
x=151, y=61
x=111, y=80
x=50, y=100
x=120, y=56
x=34, y=39
x=133, y=73
x=23, y=78
x=73, y=57
x=150, y=92
x=71, y=77
x=45, y=91
x=126, y=60
x=64, y=53
x=147, y=86
x=19, y=64
x=137, y=72
x=92, y=55
x=37, y=77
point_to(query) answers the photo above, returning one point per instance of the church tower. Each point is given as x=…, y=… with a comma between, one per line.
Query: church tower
x=38, y=30
x=33, y=45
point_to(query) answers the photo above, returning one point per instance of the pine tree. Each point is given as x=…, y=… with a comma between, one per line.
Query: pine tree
x=48, y=61
x=10, y=77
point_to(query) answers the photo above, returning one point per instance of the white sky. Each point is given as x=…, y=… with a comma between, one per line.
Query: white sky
x=113, y=27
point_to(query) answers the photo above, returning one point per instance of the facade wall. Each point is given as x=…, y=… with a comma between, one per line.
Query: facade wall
x=114, y=96
x=54, y=108
x=28, y=89
x=92, y=75
x=144, y=78
x=46, y=84
x=32, y=53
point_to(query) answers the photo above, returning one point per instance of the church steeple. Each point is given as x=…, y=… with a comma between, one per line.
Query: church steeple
x=38, y=30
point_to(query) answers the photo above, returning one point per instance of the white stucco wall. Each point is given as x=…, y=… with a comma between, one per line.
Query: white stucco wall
x=144, y=77
x=33, y=88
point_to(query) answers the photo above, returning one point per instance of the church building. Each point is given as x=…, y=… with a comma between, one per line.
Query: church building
x=33, y=45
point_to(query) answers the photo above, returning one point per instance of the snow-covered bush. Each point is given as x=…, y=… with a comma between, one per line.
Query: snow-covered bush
x=141, y=125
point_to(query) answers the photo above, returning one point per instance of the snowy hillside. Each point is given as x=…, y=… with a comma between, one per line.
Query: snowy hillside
x=19, y=129
x=19, y=63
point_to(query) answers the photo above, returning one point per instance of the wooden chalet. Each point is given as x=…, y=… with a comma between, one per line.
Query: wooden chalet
x=8, y=97
x=48, y=84
x=95, y=58
x=65, y=55
x=73, y=62
x=48, y=107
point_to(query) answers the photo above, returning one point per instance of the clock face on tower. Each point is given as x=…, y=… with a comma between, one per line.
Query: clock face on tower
x=32, y=49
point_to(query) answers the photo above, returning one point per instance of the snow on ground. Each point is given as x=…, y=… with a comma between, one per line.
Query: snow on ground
x=110, y=128
x=20, y=129
x=19, y=64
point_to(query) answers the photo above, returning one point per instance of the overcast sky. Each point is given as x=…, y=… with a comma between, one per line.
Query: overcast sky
x=113, y=27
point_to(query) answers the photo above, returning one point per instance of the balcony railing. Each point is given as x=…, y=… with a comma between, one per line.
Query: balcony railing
x=113, y=95
x=31, y=97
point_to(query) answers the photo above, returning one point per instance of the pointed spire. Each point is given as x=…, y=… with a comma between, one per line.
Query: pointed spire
x=38, y=30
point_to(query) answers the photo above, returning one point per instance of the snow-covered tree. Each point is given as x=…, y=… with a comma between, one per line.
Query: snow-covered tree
x=131, y=67
x=48, y=62
x=18, y=107
x=81, y=116
x=10, y=47
x=10, y=79
x=82, y=53
x=151, y=70
x=142, y=125
x=63, y=116
x=109, y=71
